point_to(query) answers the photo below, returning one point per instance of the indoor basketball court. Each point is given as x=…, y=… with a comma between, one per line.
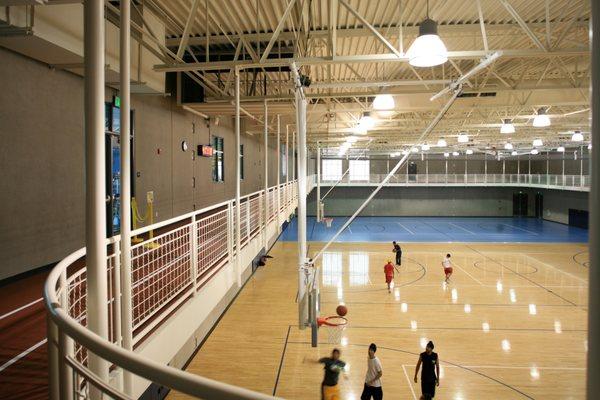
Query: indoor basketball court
x=299, y=199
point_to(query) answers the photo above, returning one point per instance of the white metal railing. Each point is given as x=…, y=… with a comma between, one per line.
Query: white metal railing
x=565, y=182
x=166, y=271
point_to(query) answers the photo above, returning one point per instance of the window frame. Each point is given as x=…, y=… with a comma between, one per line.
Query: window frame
x=361, y=175
x=331, y=163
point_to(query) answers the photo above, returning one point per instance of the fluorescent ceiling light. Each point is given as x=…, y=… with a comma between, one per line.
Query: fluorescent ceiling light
x=560, y=149
x=469, y=151
x=415, y=149
x=446, y=154
x=404, y=152
x=514, y=153
x=463, y=138
x=537, y=142
x=507, y=126
x=577, y=136
x=534, y=151
x=384, y=102
x=351, y=139
x=508, y=146
x=541, y=119
x=455, y=153
x=360, y=129
x=427, y=50
x=442, y=143
x=589, y=146
x=425, y=147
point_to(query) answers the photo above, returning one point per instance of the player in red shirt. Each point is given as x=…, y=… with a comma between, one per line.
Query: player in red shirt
x=388, y=269
x=447, y=265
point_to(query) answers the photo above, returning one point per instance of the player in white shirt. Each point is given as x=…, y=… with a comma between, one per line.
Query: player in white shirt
x=447, y=267
x=372, y=388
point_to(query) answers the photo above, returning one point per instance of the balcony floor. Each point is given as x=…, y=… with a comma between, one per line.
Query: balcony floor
x=441, y=229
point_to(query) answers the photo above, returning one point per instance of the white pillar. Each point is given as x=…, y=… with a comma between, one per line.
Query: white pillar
x=287, y=153
x=278, y=182
x=95, y=178
x=301, y=129
x=319, y=216
x=266, y=173
x=125, y=93
x=293, y=155
x=238, y=175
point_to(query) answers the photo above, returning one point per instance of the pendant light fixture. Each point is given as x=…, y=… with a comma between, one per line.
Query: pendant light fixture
x=463, y=138
x=514, y=153
x=442, y=143
x=560, y=149
x=384, y=102
x=537, y=143
x=508, y=146
x=366, y=122
x=507, y=126
x=427, y=50
x=541, y=119
x=577, y=136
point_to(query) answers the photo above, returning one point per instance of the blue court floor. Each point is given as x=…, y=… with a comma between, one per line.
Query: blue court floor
x=440, y=229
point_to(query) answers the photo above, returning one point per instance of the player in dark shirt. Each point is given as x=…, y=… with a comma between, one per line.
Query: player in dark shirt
x=430, y=373
x=398, y=252
x=333, y=366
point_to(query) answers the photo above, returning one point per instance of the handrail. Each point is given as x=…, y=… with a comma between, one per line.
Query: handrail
x=58, y=283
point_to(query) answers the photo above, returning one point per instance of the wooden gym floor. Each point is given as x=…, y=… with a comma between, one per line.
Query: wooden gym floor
x=511, y=325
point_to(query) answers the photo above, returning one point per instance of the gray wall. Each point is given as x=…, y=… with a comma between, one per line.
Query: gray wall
x=449, y=201
x=42, y=162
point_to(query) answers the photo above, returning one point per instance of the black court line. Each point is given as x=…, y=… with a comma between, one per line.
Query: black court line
x=506, y=385
x=585, y=264
x=447, y=304
x=524, y=277
x=281, y=361
x=441, y=328
x=476, y=265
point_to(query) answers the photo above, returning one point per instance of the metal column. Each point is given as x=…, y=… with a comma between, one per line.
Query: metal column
x=278, y=202
x=238, y=176
x=125, y=92
x=95, y=178
x=293, y=155
x=302, y=276
x=318, y=202
x=593, y=362
x=287, y=153
x=266, y=173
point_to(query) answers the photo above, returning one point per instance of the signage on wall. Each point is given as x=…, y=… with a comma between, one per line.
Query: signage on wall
x=205, y=150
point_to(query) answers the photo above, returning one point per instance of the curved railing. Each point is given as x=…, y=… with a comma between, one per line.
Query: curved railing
x=168, y=268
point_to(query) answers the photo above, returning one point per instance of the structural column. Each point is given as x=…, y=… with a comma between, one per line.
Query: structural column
x=278, y=182
x=301, y=130
x=95, y=178
x=287, y=153
x=125, y=92
x=293, y=155
x=238, y=176
x=319, y=216
x=266, y=173
x=593, y=364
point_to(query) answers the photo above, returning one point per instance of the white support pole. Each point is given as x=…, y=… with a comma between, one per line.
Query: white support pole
x=427, y=130
x=266, y=172
x=95, y=205
x=238, y=175
x=318, y=202
x=287, y=153
x=54, y=377
x=293, y=155
x=279, y=189
x=125, y=92
x=65, y=346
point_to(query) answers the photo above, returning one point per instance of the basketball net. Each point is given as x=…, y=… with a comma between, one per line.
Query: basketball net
x=335, y=326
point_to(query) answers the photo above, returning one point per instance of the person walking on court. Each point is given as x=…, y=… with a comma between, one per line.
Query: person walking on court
x=388, y=270
x=398, y=252
x=447, y=265
x=330, y=389
x=372, y=388
x=430, y=373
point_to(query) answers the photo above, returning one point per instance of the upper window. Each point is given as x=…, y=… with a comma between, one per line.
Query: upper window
x=332, y=170
x=218, y=164
x=359, y=170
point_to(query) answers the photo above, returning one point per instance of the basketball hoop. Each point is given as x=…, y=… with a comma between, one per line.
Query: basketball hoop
x=335, y=327
x=328, y=222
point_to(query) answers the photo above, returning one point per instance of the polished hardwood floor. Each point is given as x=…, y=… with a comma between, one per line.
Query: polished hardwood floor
x=512, y=323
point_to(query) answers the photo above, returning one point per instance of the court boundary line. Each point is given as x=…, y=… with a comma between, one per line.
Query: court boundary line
x=524, y=277
x=460, y=227
x=522, y=229
x=287, y=337
x=559, y=270
x=410, y=384
x=535, y=270
x=23, y=307
x=466, y=272
x=22, y=355
x=408, y=230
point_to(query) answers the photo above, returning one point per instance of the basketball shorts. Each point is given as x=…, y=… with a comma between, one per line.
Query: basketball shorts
x=448, y=270
x=331, y=392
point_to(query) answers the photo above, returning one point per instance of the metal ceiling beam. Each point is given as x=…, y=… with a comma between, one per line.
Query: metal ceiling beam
x=364, y=58
x=523, y=24
x=277, y=30
x=188, y=26
x=407, y=31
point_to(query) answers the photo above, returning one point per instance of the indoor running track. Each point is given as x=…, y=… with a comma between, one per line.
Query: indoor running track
x=440, y=229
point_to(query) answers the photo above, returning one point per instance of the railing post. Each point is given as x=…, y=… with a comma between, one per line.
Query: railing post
x=230, y=233
x=248, y=221
x=55, y=389
x=194, y=253
x=65, y=346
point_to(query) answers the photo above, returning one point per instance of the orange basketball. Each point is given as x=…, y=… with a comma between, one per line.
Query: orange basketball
x=341, y=310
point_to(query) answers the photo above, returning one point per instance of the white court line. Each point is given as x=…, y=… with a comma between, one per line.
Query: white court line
x=21, y=355
x=522, y=229
x=460, y=227
x=559, y=270
x=514, y=367
x=409, y=383
x=16, y=310
x=409, y=231
x=465, y=271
